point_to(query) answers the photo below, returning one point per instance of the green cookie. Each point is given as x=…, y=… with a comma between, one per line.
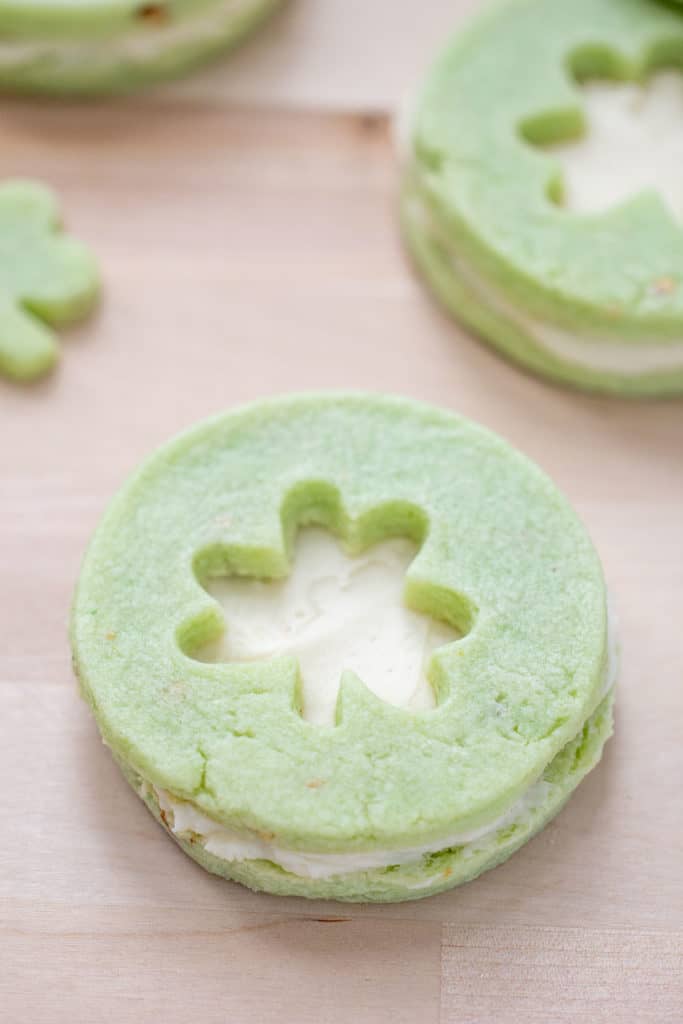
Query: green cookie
x=45, y=278
x=384, y=803
x=591, y=300
x=67, y=46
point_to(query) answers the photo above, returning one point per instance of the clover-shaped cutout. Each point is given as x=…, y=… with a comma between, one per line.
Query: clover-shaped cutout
x=46, y=279
x=334, y=613
x=632, y=140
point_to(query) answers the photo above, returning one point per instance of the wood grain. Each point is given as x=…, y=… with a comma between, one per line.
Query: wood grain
x=246, y=254
x=561, y=974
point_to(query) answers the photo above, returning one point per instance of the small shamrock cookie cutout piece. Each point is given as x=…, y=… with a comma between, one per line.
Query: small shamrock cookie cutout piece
x=109, y=46
x=46, y=279
x=563, y=256
x=345, y=646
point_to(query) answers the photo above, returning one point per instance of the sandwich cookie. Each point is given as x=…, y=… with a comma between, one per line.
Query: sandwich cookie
x=584, y=287
x=345, y=646
x=65, y=46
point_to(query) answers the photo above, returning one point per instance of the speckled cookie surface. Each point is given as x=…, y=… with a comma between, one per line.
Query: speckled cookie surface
x=46, y=279
x=594, y=300
x=67, y=46
x=502, y=558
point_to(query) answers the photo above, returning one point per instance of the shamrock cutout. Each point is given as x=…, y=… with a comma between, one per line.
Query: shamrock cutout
x=634, y=141
x=334, y=613
x=46, y=279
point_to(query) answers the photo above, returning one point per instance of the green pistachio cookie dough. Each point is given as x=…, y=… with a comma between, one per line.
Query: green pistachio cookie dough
x=46, y=279
x=593, y=300
x=67, y=46
x=386, y=803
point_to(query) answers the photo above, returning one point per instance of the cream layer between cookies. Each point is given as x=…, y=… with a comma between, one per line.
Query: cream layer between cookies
x=185, y=819
x=603, y=353
x=143, y=42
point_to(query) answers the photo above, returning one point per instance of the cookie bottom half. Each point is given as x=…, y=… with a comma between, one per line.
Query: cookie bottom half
x=432, y=873
x=472, y=301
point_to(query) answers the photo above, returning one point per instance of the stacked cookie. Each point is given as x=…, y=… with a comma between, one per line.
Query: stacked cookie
x=387, y=802
x=594, y=300
x=113, y=45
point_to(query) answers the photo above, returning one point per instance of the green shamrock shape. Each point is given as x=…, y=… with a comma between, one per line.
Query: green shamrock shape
x=46, y=279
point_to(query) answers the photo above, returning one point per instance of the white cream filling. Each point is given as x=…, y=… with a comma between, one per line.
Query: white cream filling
x=144, y=41
x=233, y=846
x=634, y=142
x=334, y=613
x=603, y=354
x=184, y=819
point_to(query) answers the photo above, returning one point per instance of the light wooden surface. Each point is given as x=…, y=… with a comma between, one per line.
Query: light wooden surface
x=246, y=254
x=332, y=54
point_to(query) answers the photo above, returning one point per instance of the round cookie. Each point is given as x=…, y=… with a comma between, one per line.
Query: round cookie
x=386, y=803
x=590, y=300
x=66, y=46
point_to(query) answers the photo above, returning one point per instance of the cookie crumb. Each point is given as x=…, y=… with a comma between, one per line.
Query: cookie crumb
x=154, y=13
x=315, y=783
x=664, y=286
x=177, y=690
x=111, y=636
x=225, y=522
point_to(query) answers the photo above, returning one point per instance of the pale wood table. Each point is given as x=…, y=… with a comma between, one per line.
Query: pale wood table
x=246, y=254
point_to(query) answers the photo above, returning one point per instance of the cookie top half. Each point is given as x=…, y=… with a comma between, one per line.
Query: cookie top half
x=502, y=558
x=507, y=86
